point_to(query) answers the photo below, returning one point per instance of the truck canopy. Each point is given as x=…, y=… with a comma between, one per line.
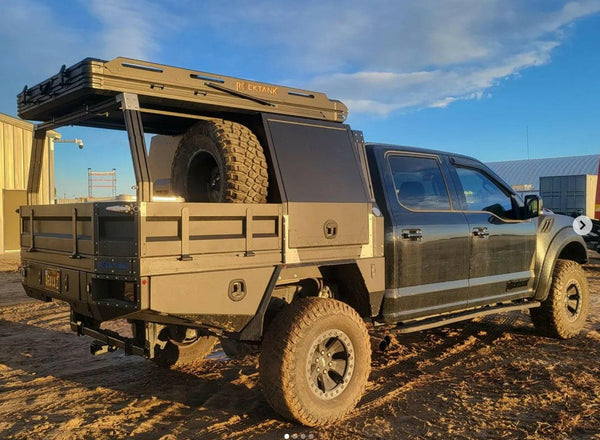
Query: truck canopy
x=163, y=90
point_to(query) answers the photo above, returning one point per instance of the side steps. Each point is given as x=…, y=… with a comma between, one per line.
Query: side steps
x=424, y=324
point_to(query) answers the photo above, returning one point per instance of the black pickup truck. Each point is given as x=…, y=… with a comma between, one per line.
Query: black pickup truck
x=284, y=232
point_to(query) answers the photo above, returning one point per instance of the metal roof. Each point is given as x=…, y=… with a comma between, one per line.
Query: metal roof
x=528, y=172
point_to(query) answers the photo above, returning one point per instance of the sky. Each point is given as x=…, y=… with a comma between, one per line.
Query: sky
x=493, y=79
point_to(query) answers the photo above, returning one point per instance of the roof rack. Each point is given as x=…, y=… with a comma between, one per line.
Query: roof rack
x=91, y=81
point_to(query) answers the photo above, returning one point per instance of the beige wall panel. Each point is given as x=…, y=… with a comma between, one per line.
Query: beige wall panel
x=50, y=182
x=12, y=199
x=9, y=174
x=18, y=157
x=2, y=128
x=28, y=138
x=2, y=177
x=15, y=153
x=44, y=177
x=15, y=122
x=590, y=195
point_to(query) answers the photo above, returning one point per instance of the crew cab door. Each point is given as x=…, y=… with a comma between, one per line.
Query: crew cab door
x=502, y=242
x=429, y=253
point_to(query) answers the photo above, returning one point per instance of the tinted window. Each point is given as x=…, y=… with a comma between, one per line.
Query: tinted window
x=419, y=183
x=483, y=194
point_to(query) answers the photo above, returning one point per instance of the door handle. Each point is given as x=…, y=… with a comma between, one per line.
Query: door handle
x=481, y=232
x=412, y=234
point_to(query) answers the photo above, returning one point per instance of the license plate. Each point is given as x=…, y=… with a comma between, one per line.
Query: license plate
x=52, y=279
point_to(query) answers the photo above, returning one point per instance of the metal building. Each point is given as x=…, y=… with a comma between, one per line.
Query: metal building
x=566, y=184
x=15, y=152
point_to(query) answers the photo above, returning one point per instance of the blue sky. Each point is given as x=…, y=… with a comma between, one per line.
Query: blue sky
x=461, y=75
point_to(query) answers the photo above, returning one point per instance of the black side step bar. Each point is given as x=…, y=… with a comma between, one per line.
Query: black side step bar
x=438, y=321
x=108, y=340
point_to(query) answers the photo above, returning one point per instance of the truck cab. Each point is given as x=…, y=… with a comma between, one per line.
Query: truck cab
x=457, y=236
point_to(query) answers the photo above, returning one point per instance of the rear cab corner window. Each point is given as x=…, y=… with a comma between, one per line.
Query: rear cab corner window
x=418, y=182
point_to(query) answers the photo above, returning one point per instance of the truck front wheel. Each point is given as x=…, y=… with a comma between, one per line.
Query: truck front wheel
x=315, y=361
x=564, y=312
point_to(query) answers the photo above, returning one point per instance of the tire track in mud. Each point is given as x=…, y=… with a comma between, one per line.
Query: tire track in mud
x=51, y=388
x=417, y=370
x=46, y=385
x=422, y=370
x=203, y=408
x=47, y=380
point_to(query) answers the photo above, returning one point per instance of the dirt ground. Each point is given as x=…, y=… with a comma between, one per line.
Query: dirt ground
x=491, y=378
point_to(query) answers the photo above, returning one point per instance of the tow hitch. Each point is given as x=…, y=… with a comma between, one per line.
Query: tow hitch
x=97, y=348
x=107, y=340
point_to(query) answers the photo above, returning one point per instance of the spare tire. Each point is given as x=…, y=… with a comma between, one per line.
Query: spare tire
x=220, y=161
x=177, y=345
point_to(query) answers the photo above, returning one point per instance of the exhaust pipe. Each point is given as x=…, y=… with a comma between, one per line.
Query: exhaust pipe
x=381, y=344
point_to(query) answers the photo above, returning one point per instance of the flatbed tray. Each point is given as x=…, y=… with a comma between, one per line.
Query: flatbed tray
x=92, y=81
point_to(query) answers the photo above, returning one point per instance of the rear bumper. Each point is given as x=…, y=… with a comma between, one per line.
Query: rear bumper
x=176, y=299
x=99, y=296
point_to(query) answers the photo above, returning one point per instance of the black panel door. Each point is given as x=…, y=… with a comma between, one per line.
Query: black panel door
x=502, y=244
x=431, y=241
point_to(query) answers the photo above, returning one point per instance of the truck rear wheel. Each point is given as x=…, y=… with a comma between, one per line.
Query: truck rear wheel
x=220, y=161
x=563, y=313
x=177, y=345
x=315, y=361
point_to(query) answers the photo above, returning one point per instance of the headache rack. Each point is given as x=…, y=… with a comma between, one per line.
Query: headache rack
x=86, y=84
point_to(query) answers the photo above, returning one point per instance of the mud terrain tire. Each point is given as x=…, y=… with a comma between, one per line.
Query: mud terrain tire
x=563, y=314
x=176, y=350
x=315, y=361
x=220, y=161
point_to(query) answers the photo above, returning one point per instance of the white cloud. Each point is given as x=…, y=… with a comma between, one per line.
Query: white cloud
x=37, y=37
x=387, y=55
x=131, y=28
x=378, y=56
x=384, y=92
x=31, y=41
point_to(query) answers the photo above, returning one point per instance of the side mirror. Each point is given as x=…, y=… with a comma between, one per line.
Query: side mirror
x=533, y=205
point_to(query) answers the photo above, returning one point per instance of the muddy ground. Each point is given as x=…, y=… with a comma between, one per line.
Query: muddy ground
x=493, y=378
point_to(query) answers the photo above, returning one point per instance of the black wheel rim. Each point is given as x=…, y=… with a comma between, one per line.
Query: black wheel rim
x=573, y=300
x=203, y=180
x=214, y=185
x=330, y=364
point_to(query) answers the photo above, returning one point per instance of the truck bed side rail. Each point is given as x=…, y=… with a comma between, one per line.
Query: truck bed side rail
x=185, y=229
x=58, y=228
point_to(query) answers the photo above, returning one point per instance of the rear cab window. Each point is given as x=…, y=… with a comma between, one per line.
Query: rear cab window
x=418, y=182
